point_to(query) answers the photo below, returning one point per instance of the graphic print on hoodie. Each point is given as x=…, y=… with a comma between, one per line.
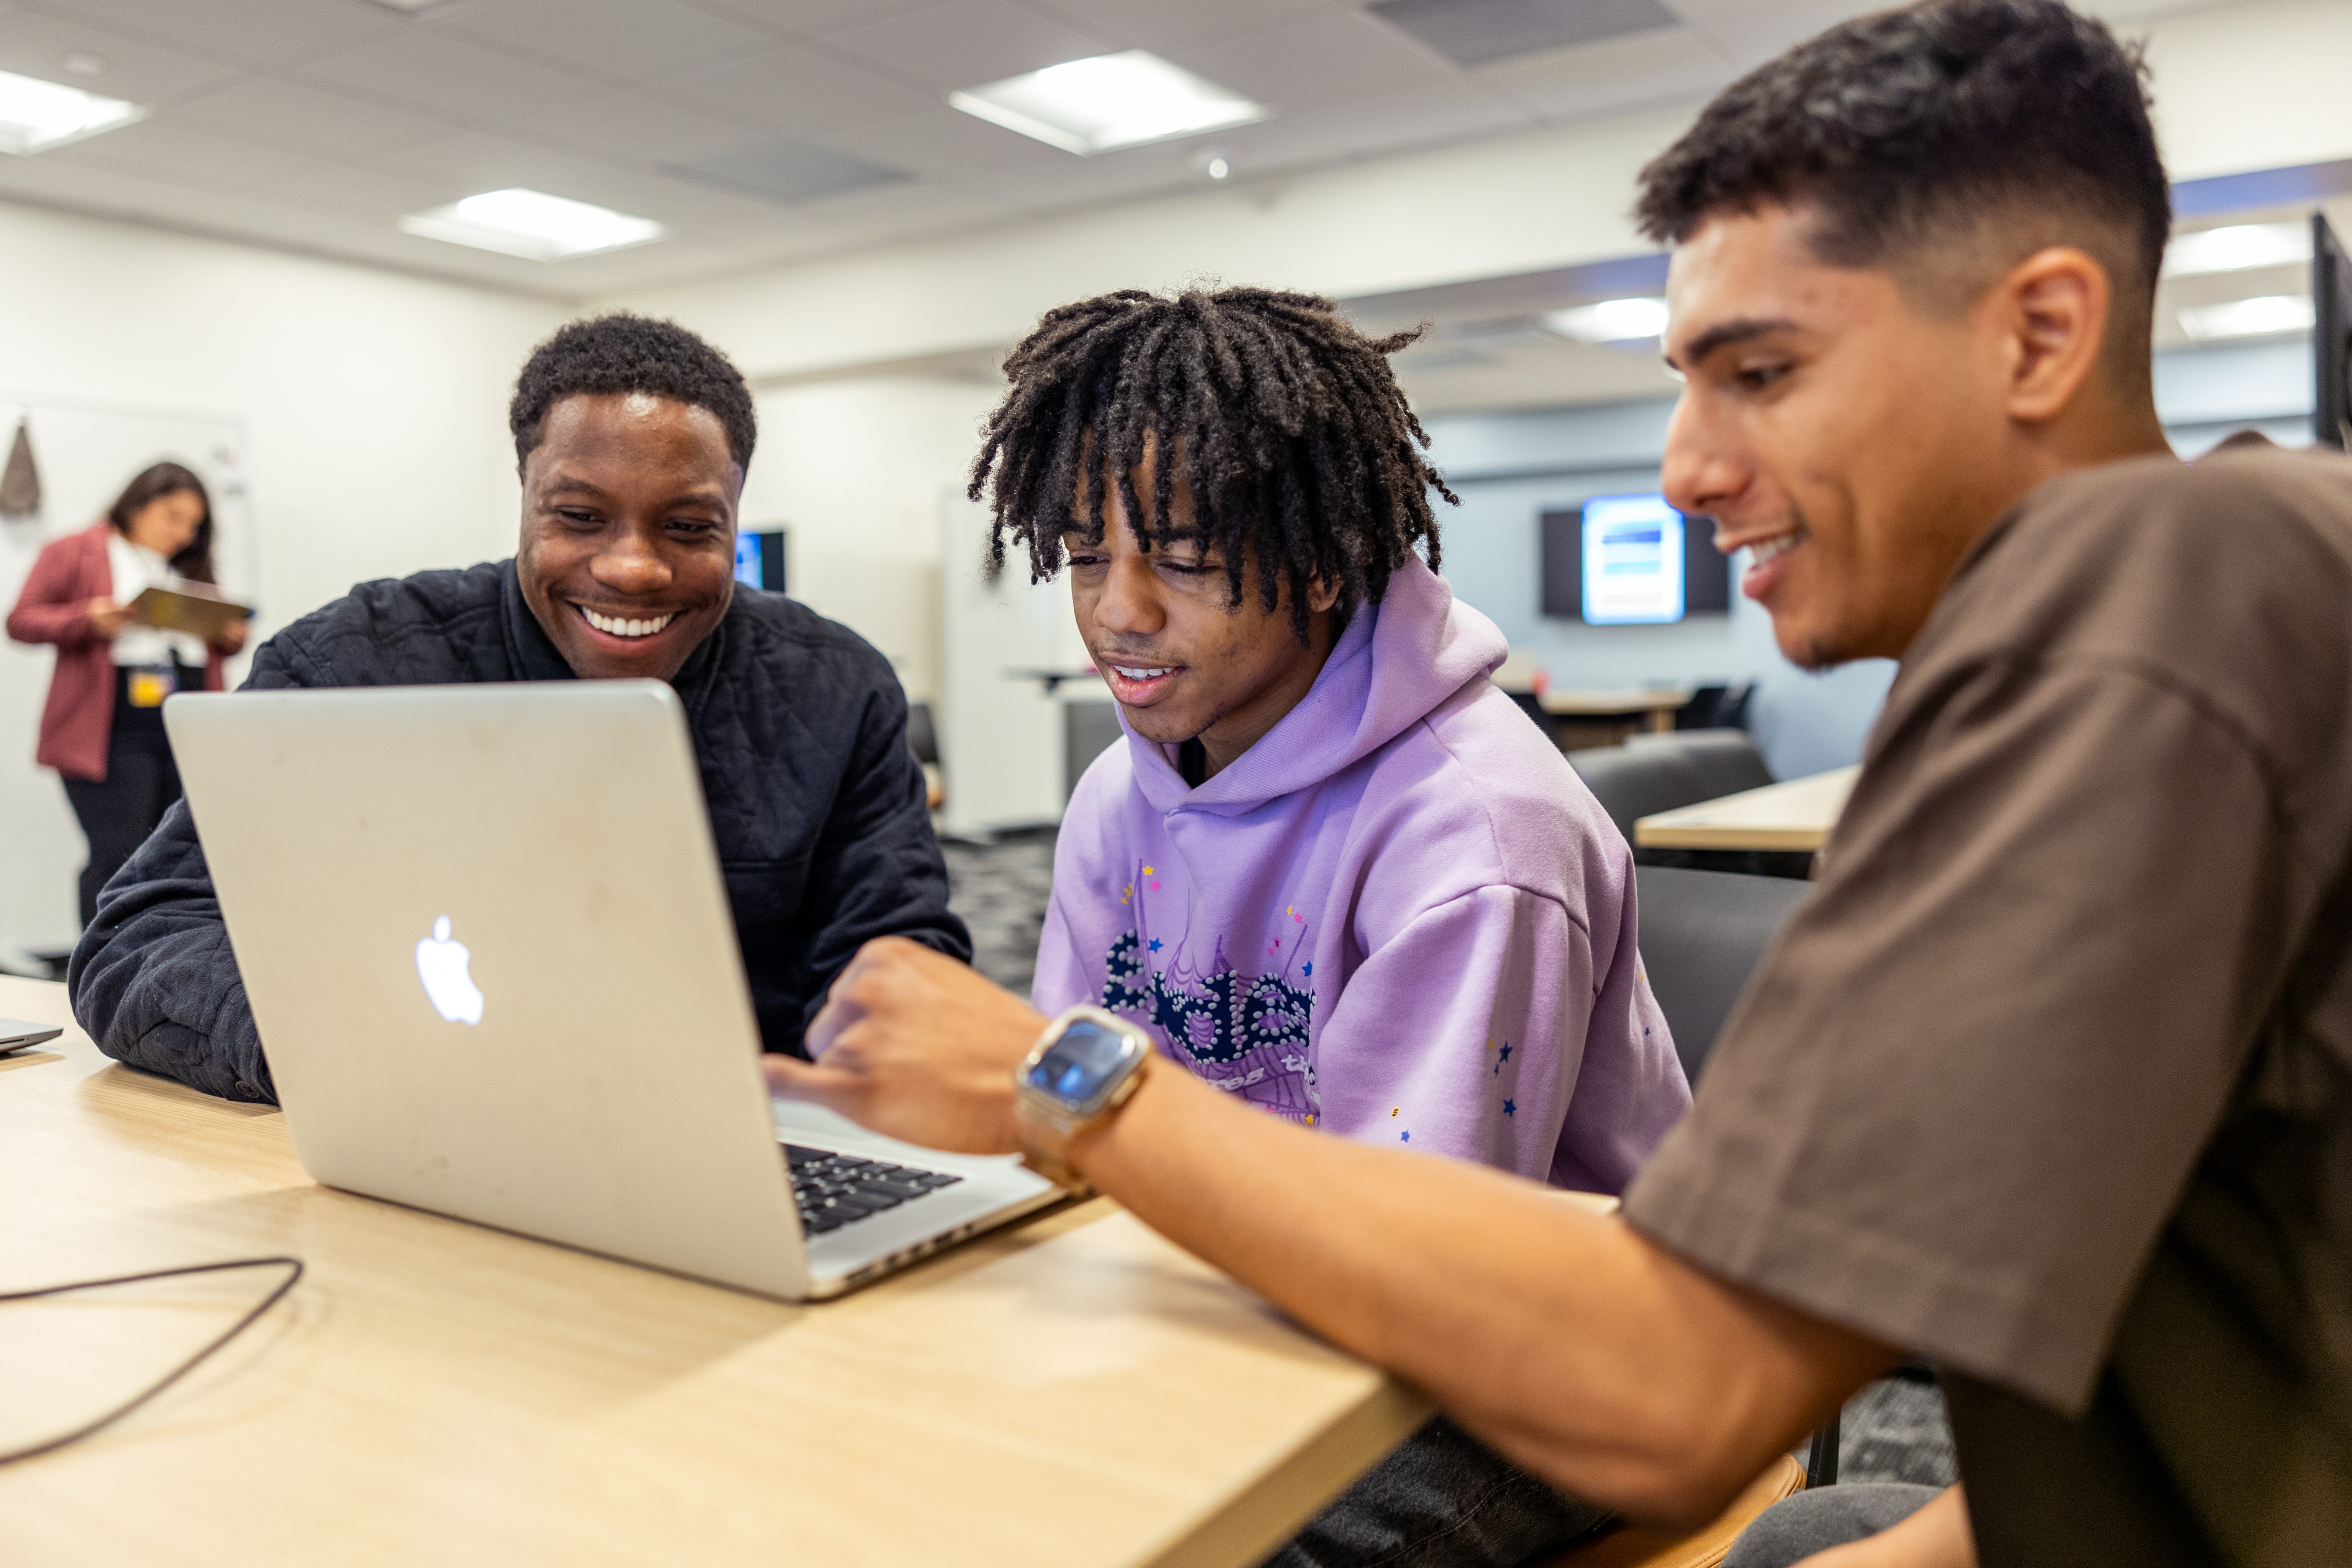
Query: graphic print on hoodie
x=1400, y=916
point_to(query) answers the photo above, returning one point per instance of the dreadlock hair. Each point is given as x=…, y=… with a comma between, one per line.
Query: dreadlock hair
x=624, y=353
x=1282, y=422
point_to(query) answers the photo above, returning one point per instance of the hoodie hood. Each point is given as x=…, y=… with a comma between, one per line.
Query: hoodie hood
x=1397, y=662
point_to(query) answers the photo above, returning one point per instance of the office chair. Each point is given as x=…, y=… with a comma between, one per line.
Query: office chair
x=1633, y=782
x=1727, y=760
x=1703, y=933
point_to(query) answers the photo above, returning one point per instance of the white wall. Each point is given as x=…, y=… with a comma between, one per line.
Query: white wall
x=856, y=470
x=373, y=406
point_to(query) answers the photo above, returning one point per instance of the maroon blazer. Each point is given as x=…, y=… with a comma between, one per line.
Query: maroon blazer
x=55, y=608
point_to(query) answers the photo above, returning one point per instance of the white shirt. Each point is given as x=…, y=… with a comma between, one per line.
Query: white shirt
x=135, y=569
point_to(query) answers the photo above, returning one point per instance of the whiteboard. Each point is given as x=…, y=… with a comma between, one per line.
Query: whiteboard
x=87, y=451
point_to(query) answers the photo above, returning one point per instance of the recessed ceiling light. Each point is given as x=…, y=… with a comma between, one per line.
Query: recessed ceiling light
x=1610, y=321
x=1110, y=101
x=36, y=114
x=2257, y=317
x=532, y=223
x=2236, y=246
x=82, y=62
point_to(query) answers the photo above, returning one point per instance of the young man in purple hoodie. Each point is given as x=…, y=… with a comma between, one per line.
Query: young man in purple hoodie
x=1334, y=870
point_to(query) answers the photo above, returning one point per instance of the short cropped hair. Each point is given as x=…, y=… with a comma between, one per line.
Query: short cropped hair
x=1282, y=422
x=623, y=352
x=1905, y=130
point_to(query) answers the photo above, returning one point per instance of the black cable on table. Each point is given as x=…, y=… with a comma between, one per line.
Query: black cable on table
x=293, y=1267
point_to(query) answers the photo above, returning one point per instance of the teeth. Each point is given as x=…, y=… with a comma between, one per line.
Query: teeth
x=1142, y=674
x=1764, y=550
x=621, y=628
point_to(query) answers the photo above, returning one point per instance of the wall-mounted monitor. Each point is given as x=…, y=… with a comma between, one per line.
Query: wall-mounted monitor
x=2331, y=337
x=1632, y=559
x=760, y=559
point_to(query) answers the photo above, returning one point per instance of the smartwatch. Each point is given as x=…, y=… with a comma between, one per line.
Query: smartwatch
x=1081, y=1070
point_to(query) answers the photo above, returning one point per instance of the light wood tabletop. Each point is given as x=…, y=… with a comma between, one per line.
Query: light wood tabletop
x=1659, y=702
x=1075, y=1391
x=1797, y=815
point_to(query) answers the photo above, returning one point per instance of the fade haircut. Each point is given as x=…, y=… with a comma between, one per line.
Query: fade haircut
x=622, y=353
x=1944, y=142
x=1282, y=421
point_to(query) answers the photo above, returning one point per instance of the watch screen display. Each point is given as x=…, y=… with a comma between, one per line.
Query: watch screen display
x=1074, y=1068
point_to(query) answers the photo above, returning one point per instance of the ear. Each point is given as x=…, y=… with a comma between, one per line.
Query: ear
x=1322, y=593
x=2053, y=310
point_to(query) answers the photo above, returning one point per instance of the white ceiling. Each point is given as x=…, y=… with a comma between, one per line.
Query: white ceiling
x=315, y=124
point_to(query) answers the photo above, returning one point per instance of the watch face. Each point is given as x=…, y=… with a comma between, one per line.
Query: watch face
x=1080, y=1065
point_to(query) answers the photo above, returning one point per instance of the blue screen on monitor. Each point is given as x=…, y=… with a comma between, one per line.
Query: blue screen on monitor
x=1633, y=560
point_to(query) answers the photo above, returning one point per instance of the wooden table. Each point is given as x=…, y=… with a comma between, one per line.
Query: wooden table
x=1654, y=705
x=1073, y=1391
x=1797, y=815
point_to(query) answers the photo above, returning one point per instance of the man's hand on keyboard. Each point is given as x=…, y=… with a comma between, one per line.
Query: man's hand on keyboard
x=916, y=1045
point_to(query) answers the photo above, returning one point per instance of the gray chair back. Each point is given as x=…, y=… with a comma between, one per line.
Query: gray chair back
x=1702, y=935
x=1726, y=759
x=921, y=738
x=1631, y=782
x=1088, y=729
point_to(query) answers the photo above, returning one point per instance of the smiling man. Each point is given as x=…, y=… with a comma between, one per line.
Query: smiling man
x=2051, y=1080
x=632, y=437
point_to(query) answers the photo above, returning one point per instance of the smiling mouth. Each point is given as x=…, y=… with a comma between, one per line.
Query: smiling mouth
x=1136, y=683
x=1764, y=550
x=617, y=627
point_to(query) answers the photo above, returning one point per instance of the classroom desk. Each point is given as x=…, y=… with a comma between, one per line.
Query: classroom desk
x=1654, y=705
x=1073, y=1391
x=1796, y=815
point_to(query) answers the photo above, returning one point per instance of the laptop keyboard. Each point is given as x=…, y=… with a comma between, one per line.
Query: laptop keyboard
x=835, y=1190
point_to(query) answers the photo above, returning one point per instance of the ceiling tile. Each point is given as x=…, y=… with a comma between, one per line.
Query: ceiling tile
x=793, y=89
x=1156, y=25
x=32, y=44
x=184, y=151
x=1599, y=78
x=808, y=19
x=633, y=127
x=1315, y=61
x=306, y=117
x=434, y=71
x=265, y=32
x=618, y=40
x=1477, y=32
x=966, y=43
x=788, y=172
x=937, y=140
x=477, y=161
x=1750, y=33
x=1438, y=112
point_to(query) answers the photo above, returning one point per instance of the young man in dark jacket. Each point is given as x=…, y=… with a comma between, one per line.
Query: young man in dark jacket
x=632, y=437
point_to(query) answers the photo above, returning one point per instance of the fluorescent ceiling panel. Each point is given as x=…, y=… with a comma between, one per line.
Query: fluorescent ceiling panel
x=1478, y=32
x=1610, y=321
x=2254, y=318
x=2236, y=247
x=1108, y=101
x=533, y=224
x=35, y=115
x=789, y=172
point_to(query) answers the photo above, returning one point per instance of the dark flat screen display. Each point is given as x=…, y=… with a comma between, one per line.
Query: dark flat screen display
x=1630, y=560
x=2331, y=338
x=760, y=560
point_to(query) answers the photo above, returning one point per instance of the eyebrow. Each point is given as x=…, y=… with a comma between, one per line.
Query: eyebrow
x=573, y=484
x=1727, y=334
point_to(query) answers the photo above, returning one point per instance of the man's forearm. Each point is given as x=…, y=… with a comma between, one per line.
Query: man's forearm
x=1567, y=1340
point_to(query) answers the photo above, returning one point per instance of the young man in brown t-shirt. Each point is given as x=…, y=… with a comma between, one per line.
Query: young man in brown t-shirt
x=2051, y=1080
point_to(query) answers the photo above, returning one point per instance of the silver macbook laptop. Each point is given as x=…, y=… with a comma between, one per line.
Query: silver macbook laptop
x=487, y=944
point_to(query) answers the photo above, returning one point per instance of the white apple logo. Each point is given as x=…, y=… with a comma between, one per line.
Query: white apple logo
x=442, y=963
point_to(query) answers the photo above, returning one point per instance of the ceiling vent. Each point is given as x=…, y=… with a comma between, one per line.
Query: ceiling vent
x=789, y=172
x=1480, y=32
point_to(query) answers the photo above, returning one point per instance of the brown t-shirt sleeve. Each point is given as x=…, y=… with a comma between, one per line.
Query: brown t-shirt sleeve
x=1971, y=1080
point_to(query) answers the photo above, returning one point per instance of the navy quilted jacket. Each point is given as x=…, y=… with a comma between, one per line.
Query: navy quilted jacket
x=800, y=727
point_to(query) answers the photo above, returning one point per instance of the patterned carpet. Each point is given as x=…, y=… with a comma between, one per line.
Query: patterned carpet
x=1894, y=1430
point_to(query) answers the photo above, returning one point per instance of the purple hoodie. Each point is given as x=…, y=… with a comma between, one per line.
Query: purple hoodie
x=1400, y=916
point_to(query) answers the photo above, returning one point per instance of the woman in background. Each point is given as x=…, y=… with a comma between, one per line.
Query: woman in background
x=102, y=729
